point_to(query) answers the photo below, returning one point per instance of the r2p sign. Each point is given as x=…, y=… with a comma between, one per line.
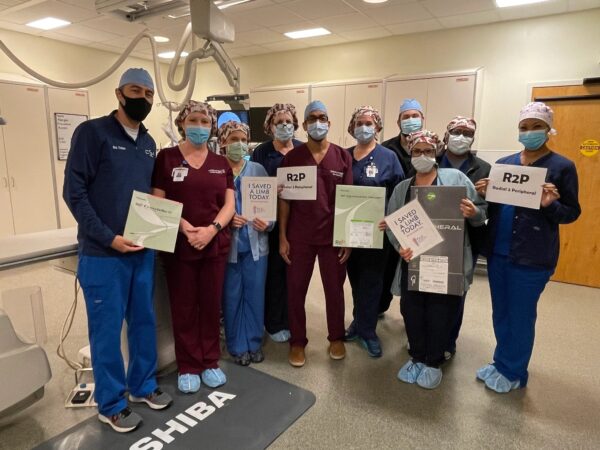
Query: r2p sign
x=515, y=178
x=516, y=185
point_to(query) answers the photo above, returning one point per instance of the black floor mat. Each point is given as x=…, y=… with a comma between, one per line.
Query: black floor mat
x=262, y=409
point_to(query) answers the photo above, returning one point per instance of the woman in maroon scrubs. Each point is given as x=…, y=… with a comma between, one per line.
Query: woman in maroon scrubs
x=203, y=181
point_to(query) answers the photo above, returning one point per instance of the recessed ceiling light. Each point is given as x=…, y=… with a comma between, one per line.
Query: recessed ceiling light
x=509, y=3
x=171, y=55
x=161, y=39
x=375, y=1
x=48, y=23
x=222, y=4
x=311, y=32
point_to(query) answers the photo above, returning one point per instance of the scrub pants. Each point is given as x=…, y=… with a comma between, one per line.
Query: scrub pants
x=428, y=319
x=515, y=291
x=365, y=267
x=195, y=292
x=299, y=274
x=243, y=303
x=391, y=258
x=117, y=288
x=276, y=308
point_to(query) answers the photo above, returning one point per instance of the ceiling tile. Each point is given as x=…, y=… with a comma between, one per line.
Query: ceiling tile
x=238, y=44
x=50, y=8
x=316, y=9
x=262, y=36
x=66, y=38
x=369, y=33
x=269, y=17
x=286, y=45
x=362, y=6
x=114, y=25
x=241, y=23
x=410, y=12
x=295, y=26
x=415, y=27
x=254, y=50
x=144, y=44
x=85, y=33
x=537, y=9
x=441, y=8
x=466, y=20
x=331, y=39
x=347, y=22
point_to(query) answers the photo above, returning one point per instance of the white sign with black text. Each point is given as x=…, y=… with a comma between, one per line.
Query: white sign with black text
x=65, y=126
x=516, y=185
x=299, y=183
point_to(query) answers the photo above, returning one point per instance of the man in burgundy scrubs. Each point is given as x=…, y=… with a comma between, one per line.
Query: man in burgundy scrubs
x=306, y=231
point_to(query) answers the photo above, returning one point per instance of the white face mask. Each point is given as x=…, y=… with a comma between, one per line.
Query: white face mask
x=459, y=145
x=422, y=164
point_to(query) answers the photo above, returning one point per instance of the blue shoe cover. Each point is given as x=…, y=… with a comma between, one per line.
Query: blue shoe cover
x=500, y=384
x=188, y=383
x=486, y=371
x=430, y=377
x=410, y=372
x=281, y=336
x=214, y=377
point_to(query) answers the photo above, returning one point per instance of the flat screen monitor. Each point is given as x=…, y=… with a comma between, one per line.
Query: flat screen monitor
x=257, y=120
x=241, y=113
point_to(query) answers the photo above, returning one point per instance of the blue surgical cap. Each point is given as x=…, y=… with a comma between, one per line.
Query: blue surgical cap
x=315, y=105
x=226, y=117
x=137, y=76
x=410, y=103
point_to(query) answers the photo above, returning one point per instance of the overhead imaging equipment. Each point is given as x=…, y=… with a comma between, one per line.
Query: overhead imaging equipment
x=206, y=23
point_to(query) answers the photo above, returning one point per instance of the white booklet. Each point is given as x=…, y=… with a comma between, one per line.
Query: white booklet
x=299, y=183
x=259, y=198
x=413, y=228
x=153, y=222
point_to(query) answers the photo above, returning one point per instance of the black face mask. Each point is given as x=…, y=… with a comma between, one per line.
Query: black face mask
x=136, y=108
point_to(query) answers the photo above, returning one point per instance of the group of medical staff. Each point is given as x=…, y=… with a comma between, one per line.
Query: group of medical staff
x=255, y=273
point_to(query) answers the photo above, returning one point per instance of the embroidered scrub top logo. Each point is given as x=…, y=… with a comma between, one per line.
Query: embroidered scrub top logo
x=335, y=173
x=149, y=152
x=119, y=147
x=216, y=171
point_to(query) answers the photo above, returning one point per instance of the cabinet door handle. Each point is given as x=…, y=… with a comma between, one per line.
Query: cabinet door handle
x=12, y=179
x=5, y=182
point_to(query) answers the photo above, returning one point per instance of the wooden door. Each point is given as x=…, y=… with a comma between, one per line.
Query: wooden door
x=6, y=218
x=395, y=93
x=578, y=124
x=70, y=102
x=449, y=97
x=27, y=147
x=360, y=94
x=333, y=97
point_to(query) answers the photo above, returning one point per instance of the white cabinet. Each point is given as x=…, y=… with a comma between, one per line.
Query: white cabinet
x=442, y=98
x=267, y=97
x=341, y=100
x=333, y=98
x=71, y=102
x=27, y=158
x=7, y=226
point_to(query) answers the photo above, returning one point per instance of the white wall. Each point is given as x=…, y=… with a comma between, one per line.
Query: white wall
x=73, y=63
x=513, y=54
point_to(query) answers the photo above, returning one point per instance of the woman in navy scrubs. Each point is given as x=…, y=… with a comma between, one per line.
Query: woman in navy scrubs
x=280, y=122
x=522, y=250
x=203, y=181
x=372, y=165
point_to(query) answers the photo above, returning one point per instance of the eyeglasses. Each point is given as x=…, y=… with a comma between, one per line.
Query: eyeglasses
x=430, y=152
x=313, y=119
x=465, y=133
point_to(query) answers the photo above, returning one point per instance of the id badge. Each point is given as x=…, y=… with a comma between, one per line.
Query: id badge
x=371, y=171
x=179, y=174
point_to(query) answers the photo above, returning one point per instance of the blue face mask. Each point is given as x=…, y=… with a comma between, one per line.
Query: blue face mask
x=533, y=140
x=411, y=125
x=197, y=135
x=318, y=130
x=364, y=134
x=284, y=132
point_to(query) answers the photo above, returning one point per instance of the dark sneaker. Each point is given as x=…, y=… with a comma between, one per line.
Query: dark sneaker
x=257, y=356
x=242, y=360
x=373, y=347
x=350, y=334
x=155, y=400
x=123, y=422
